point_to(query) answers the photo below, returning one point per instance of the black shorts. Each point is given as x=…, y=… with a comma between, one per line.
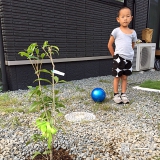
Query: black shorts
x=121, y=66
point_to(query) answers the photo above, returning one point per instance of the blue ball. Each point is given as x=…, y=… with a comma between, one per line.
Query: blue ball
x=98, y=94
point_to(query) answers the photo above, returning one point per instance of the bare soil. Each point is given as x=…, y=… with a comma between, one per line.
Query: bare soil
x=60, y=154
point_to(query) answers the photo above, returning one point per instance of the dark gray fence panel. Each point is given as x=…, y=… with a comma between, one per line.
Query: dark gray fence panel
x=78, y=28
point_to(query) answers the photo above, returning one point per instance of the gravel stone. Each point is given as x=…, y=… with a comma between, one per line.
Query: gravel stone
x=120, y=132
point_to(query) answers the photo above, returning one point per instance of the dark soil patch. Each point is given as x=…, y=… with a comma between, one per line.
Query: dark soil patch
x=60, y=154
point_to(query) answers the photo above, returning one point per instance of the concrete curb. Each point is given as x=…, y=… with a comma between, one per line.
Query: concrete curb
x=146, y=89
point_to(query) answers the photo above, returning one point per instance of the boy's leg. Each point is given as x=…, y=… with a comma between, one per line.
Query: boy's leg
x=124, y=88
x=115, y=84
x=117, y=98
x=124, y=83
x=117, y=71
x=127, y=71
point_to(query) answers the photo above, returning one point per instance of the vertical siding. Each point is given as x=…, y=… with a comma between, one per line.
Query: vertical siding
x=100, y=21
x=141, y=16
x=80, y=28
x=130, y=4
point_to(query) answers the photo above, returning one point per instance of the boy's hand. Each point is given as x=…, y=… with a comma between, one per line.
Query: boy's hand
x=110, y=45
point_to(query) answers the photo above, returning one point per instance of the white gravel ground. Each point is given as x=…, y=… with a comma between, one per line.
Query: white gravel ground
x=129, y=132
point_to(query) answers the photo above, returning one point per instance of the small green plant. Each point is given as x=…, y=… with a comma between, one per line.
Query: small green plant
x=104, y=81
x=13, y=122
x=156, y=158
x=9, y=104
x=151, y=84
x=103, y=106
x=6, y=100
x=108, y=107
x=158, y=126
x=95, y=107
x=79, y=89
x=11, y=110
x=16, y=122
x=45, y=99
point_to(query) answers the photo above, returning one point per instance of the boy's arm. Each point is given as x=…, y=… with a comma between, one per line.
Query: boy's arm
x=134, y=39
x=110, y=45
x=133, y=44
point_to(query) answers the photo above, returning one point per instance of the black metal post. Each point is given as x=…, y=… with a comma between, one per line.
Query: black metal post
x=125, y=2
x=2, y=61
x=148, y=13
x=134, y=14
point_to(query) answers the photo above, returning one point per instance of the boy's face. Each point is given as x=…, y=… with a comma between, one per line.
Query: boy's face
x=124, y=17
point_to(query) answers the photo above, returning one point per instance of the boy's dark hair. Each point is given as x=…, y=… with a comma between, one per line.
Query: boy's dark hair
x=121, y=9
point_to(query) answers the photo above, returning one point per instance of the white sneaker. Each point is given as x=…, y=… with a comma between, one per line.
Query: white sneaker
x=117, y=99
x=124, y=98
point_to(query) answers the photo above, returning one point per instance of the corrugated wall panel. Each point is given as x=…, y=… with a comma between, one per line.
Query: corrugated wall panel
x=141, y=16
x=78, y=28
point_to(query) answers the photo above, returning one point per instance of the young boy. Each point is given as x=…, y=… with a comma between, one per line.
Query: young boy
x=124, y=39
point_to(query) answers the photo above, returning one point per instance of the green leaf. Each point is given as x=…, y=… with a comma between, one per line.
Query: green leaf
x=56, y=51
x=57, y=110
x=59, y=114
x=56, y=92
x=47, y=89
x=42, y=79
x=45, y=44
x=30, y=87
x=31, y=48
x=43, y=127
x=60, y=105
x=46, y=115
x=35, y=105
x=40, y=122
x=36, y=154
x=29, y=51
x=43, y=55
x=37, y=50
x=54, y=130
x=43, y=115
x=37, y=137
x=49, y=141
x=50, y=129
x=24, y=54
x=34, y=90
x=51, y=121
x=45, y=71
x=47, y=152
x=47, y=98
x=55, y=47
x=28, y=142
x=33, y=57
x=62, y=81
x=56, y=79
x=56, y=99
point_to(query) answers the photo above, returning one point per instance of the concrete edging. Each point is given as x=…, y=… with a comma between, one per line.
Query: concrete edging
x=146, y=89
